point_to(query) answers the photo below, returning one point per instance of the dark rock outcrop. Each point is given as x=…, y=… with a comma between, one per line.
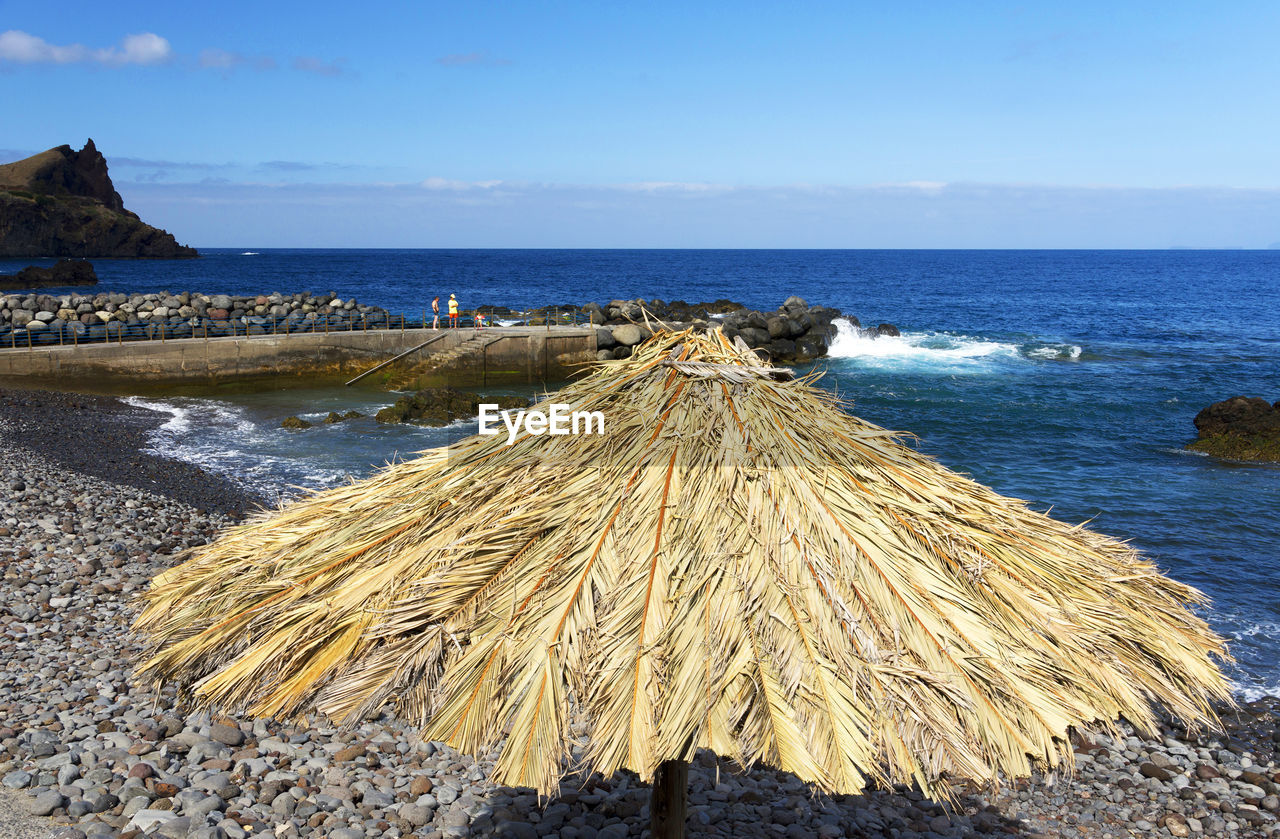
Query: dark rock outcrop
x=61, y=202
x=1240, y=428
x=794, y=334
x=66, y=272
x=439, y=406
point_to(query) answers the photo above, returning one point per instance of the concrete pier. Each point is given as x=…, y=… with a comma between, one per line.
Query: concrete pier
x=461, y=357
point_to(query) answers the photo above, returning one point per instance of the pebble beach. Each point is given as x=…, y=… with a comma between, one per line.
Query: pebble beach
x=87, y=517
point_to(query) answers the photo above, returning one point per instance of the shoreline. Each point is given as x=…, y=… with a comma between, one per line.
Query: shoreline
x=83, y=745
x=105, y=437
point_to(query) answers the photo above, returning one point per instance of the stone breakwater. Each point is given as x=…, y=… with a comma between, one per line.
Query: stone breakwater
x=47, y=319
x=88, y=753
x=793, y=334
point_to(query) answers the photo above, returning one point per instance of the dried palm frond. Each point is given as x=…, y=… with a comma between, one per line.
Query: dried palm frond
x=735, y=564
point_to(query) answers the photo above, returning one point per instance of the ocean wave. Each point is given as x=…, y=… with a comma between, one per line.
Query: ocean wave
x=224, y=440
x=939, y=349
x=250, y=253
x=921, y=348
x=1066, y=352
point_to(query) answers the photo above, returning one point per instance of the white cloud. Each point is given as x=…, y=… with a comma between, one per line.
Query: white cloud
x=671, y=186
x=311, y=64
x=216, y=59
x=227, y=61
x=444, y=184
x=463, y=59
x=142, y=48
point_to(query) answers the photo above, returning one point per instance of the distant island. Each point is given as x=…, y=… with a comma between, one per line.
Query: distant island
x=62, y=203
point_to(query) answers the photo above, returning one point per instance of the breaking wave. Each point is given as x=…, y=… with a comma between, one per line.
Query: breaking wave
x=938, y=349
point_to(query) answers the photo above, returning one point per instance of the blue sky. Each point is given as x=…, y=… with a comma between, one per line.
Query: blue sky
x=958, y=124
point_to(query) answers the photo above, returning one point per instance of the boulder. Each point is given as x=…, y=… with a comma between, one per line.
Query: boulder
x=439, y=406
x=1240, y=428
x=334, y=416
x=781, y=349
x=808, y=349
x=295, y=423
x=628, y=335
x=888, y=330
x=605, y=339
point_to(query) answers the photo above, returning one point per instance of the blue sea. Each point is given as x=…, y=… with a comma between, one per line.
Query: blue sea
x=1067, y=378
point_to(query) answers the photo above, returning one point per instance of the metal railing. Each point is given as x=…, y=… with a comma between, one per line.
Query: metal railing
x=75, y=333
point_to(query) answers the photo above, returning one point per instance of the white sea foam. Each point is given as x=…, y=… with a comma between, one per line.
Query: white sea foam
x=229, y=443
x=1249, y=694
x=915, y=348
x=250, y=253
x=952, y=352
x=1055, y=351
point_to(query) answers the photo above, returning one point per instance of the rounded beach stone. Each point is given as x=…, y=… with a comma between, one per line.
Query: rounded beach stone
x=628, y=335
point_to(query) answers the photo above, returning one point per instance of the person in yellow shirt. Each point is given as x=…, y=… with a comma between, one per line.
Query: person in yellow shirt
x=453, y=311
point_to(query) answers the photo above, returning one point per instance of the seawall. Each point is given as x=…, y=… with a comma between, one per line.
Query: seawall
x=462, y=357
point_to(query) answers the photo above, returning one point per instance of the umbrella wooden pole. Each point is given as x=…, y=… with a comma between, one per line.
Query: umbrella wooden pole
x=669, y=800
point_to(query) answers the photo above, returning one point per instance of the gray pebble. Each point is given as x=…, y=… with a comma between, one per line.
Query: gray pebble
x=45, y=803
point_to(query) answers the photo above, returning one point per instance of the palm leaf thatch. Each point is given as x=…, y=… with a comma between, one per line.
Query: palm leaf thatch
x=735, y=564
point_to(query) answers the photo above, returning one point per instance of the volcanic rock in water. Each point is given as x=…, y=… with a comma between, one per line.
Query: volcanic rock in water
x=62, y=203
x=64, y=273
x=1239, y=428
x=439, y=406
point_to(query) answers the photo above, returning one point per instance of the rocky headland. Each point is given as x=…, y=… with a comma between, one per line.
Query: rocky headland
x=61, y=202
x=85, y=751
x=64, y=272
x=1240, y=428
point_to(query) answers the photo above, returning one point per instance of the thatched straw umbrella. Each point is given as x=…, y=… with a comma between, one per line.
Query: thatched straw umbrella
x=734, y=564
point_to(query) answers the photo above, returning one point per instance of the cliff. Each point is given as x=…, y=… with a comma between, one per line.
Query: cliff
x=62, y=203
